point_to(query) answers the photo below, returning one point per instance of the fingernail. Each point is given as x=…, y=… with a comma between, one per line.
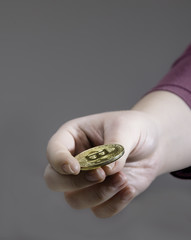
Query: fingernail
x=92, y=176
x=67, y=169
x=111, y=166
x=75, y=168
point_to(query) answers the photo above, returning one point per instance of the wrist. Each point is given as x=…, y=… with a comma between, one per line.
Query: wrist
x=172, y=117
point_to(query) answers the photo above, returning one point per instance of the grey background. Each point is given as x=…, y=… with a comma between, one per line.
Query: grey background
x=63, y=59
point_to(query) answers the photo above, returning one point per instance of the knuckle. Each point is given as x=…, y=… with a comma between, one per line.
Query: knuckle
x=127, y=194
x=98, y=213
x=68, y=126
x=53, y=158
x=48, y=150
x=111, y=209
x=121, y=178
x=49, y=144
x=132, y=193
x=107, y=212
x=117, y=120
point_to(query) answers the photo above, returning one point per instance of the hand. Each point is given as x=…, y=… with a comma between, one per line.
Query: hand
x=156, y=135
x=109, y=189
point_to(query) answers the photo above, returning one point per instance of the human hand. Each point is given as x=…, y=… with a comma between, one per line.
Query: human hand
x=106, y=190
x=156, y=135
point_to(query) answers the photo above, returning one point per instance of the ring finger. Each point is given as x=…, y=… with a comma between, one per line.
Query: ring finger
x=97, y=194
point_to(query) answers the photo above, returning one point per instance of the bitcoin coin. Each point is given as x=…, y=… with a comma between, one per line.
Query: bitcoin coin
x=99, y=156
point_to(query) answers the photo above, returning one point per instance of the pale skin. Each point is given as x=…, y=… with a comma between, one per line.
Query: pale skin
x=156, y=135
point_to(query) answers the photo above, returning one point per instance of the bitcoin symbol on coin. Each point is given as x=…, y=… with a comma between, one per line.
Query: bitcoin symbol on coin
x=99, y=156
x=96, y=155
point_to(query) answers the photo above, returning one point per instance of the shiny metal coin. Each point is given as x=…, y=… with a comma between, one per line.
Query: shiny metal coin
x=99, y=156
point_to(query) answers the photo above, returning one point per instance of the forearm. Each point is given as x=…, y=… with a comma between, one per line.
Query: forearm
x=173, y=118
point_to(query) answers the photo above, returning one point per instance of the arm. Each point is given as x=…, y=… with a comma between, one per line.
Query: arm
x=173, y=117
x=156, y=135
x=178, y=81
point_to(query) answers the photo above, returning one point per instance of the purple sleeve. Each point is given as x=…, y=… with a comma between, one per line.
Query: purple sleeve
x=178, y=81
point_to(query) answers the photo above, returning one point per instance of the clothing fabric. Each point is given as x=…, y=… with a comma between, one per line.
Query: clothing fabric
x=178, y=81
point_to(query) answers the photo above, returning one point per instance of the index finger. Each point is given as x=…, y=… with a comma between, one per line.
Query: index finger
x=59, y=153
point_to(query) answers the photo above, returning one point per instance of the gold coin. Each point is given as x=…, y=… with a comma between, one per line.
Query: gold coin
x=99, y=156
